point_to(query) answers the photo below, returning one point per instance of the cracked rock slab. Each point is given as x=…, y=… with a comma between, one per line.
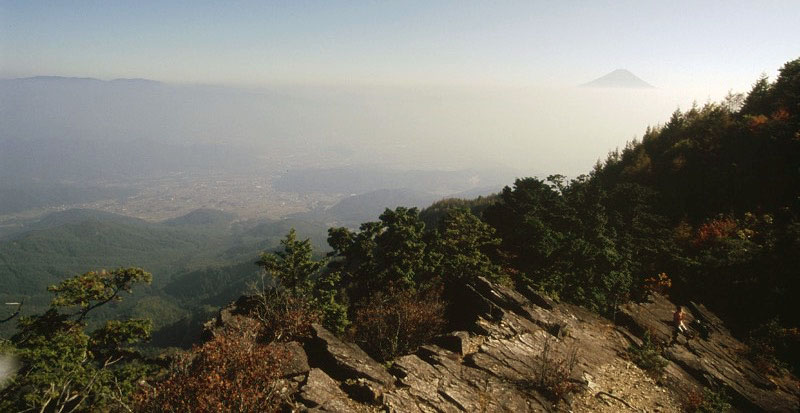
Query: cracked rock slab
x=322, y=393
x=343, y=360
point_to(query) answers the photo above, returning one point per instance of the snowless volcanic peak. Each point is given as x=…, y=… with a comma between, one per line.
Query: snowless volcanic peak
x=619, y=78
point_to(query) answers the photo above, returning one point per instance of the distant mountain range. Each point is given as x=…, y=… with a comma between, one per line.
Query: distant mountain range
x=619, y=78
x=77, y=80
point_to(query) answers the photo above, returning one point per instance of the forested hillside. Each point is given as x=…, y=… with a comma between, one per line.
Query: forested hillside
x=707, y=204
x=188, y=251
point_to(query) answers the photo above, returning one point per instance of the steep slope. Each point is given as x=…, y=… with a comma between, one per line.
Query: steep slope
x=720, y=185
x=496, y=364
x=715, y=360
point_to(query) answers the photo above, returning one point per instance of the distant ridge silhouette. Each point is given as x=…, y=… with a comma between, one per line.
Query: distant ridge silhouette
x=619, y=78
x=73, y=80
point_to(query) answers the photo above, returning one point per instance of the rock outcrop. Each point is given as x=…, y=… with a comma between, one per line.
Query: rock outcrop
x=715, y=360
x=528, y=353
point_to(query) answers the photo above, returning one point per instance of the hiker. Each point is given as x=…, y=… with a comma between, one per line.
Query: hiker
x=678, y=318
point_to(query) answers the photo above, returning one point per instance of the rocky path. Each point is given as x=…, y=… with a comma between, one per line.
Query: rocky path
x=621, y=386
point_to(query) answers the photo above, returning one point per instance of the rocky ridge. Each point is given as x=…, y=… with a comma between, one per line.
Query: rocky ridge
x=495, y=364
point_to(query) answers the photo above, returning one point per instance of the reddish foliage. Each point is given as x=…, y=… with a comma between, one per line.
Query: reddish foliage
x=398, y=321
x=714, y=230
x=232, y=372
x=694, y=400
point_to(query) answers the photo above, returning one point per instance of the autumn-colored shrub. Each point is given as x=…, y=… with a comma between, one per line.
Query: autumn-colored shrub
x=396, y=322
x=234, y=372
x=286, y=316
x=756, y=121
x=658, y=284
x=693, y=401
x=715, y=229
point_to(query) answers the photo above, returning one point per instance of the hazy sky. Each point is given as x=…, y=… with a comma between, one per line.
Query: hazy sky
x=702, y=45
x=436, y=83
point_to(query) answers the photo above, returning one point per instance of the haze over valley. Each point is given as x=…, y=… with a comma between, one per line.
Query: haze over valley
x=160, y=150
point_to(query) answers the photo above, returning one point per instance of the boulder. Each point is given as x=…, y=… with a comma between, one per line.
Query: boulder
x=459, y=342
x=322, y=393
x=344, y=361
x=245, y=305
x=297, y=361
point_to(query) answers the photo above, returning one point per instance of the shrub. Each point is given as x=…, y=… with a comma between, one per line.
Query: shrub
x=331, y=303
x=773, y=347
x=232, y=372
x=648, y=355
x=554, y=372
x=396, y=322
x=714, y=230
x=285, y=316
x=299, y=293
x=709, y=401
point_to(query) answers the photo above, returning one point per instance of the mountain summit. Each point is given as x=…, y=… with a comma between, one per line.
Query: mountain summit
x=619, y=78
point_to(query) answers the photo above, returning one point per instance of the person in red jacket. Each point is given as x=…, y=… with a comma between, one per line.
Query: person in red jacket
x=678, y=318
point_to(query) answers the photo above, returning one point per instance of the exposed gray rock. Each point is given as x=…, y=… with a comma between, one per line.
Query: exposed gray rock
x=322, y=393
x=363, y=390
x=459, y=342
x=243, y=306
x=495, y=365
x=297, y=363
x=344, y=361
x=716, y=360
x=503, y=297
x=538, y=298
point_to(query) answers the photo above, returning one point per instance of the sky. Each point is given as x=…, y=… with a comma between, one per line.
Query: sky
x=705, y=45
x=436, y=83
